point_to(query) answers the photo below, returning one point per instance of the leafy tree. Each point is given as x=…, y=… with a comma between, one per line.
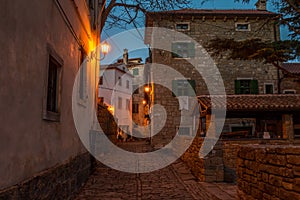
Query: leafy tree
x=124, y=12
x=270, y=52
x=290, y=14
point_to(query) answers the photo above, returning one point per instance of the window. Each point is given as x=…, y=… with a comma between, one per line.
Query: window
x=52, y=98
x=120, y=81
x=183, y=50
x=127, y=83
x=183, y=87
x=246, y=87
x=182, y=26
x=82, y=75
x=184, y=131
x=127, y=104
x=101, y=80
x=269, y=89
x=119, y=103
x=135, y=108
x=135, y=72
x=135, y=89
x=242, y=27
x=289, y=91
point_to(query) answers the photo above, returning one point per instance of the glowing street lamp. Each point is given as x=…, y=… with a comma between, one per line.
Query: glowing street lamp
x=105, y=47
x=147, y=89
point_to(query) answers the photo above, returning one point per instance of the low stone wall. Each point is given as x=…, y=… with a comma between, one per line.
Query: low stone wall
x=268, y=172
x=208, y=169
x=221, y=163
x=58, y=182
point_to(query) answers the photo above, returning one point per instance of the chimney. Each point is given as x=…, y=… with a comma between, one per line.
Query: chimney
x=125, y=56
x=261, y=5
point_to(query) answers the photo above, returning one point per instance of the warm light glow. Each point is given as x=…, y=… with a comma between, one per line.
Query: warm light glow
x=144, y=102
x=105, y=47
x=111, y=109
x=147, y=89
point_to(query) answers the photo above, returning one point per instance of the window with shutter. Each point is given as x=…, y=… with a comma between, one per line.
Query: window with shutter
x=183, y=87
x=246, y=87
x=183, y=50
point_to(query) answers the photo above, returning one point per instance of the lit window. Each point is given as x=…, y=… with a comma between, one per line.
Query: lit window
x=183, y=50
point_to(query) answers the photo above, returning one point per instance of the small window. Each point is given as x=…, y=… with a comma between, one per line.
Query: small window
x=127, y=104
x=127, y=84
x=289, y=91
x=183, y=87
x=182, y=26
x=246, y=87
x=135, y=72
x=119, y=103
x=242, y=27
x=82, y=75
x=52, y=98
x=120, y=81
x=135, y=89
x=101, y=80
x=269, y=89
x=184, y=131
x=183, y=50
x=135, y=108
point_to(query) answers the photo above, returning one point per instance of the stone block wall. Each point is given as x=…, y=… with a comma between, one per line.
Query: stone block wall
x=268, y=172
x=208, y=169
x=59, y=182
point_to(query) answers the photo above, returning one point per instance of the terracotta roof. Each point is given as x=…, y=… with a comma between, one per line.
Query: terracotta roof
x=263, y=102
x=215, y=12
x=293, y=68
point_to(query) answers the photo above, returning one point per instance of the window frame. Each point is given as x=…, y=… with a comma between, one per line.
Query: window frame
x=190, y=50
x=180, y=23
x=53, y=56
x=265, y=87
x=289, y=90
x=252, y=83
x=242, y=23
x=186, y=90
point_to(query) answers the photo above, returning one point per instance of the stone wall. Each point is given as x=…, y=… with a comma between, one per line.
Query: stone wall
x=268, y=172
x=221, y=163
x=208, y=169
x=59, y=182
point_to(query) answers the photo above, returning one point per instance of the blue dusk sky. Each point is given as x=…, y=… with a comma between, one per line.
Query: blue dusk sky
x=211, y=4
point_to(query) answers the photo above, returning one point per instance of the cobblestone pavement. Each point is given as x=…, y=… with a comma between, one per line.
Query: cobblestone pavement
x=172, y=182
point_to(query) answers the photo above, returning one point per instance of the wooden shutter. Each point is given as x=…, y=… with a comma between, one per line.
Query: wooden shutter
x=191, y=50
x=191, y=88
x=237, y=86
x=174, y=88
x=254, y=87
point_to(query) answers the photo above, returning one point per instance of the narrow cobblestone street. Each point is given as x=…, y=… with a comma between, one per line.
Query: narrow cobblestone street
x=172, y=182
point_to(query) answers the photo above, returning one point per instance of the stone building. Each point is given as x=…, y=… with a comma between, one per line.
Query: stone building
x=290, y=79
x=43, y=44
x=202, y=26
